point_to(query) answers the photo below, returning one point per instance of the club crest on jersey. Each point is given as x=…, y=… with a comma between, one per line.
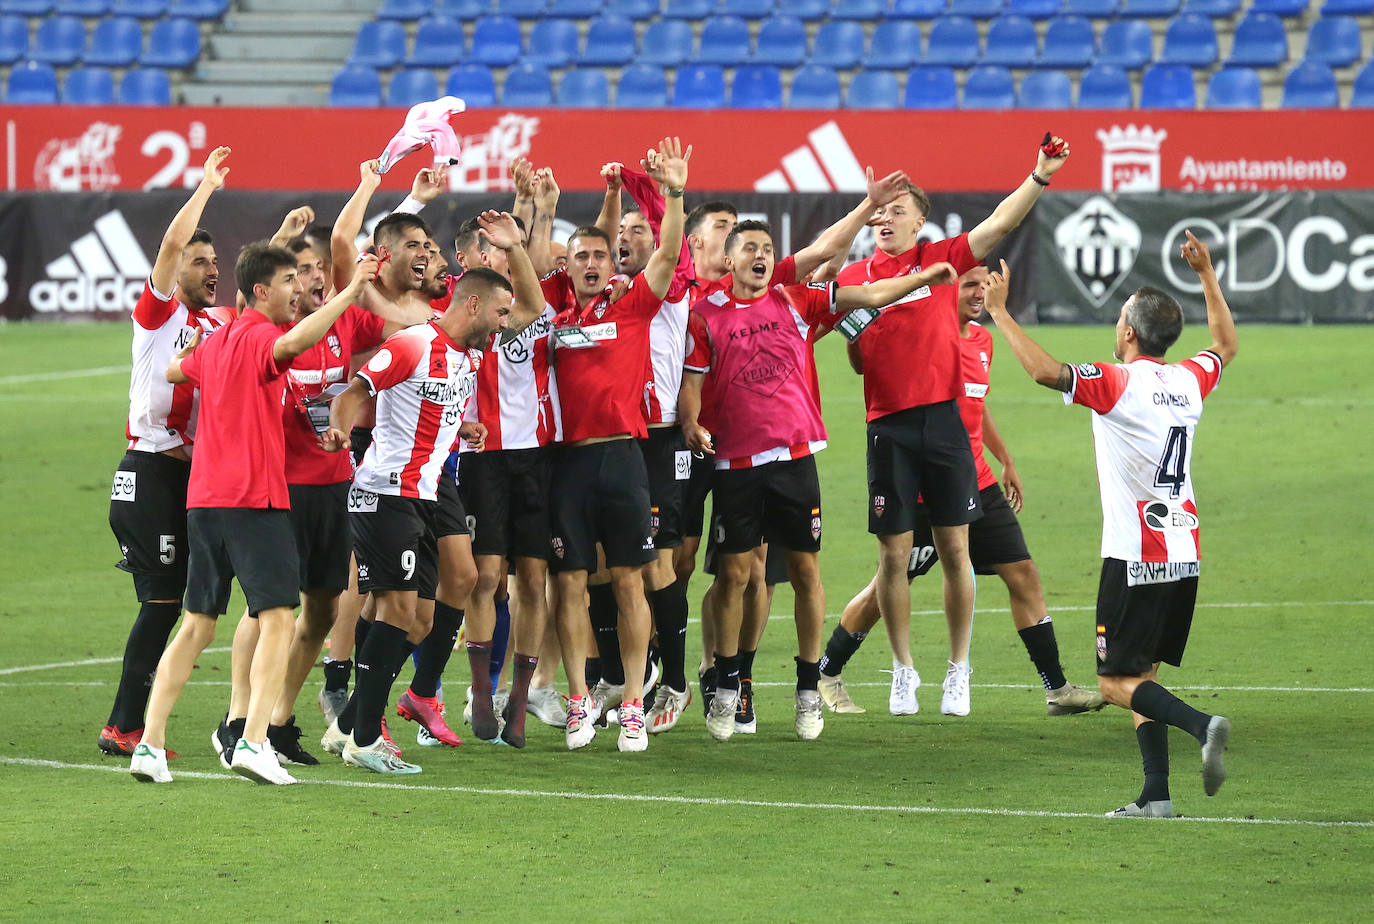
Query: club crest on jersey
x=557, y=544
x=879, y=504
x=438, y=367
x=334, y=346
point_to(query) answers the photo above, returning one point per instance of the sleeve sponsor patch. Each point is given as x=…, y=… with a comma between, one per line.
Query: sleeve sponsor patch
x=1088, y=371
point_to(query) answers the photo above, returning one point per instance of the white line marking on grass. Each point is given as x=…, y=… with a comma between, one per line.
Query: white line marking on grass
x=690, y=800
x=64, y=374
x=24, y=669
x=1172, y=686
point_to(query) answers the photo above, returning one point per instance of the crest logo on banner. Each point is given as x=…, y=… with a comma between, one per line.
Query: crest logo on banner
x=485, y=156
x=1098, y=245
x=76, y=164
x=1130, y=158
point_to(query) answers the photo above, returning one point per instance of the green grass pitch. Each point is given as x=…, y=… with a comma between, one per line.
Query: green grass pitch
x=996, y=816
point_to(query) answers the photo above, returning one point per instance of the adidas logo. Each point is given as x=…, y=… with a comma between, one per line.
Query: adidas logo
x=826, y=163
x=103, y=271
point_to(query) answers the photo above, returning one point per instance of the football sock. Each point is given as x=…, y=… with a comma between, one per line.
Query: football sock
x=746, y=665
x=350, y=710
x=378, y=663
x=142, y=651
x=591, y=672
x=1044, y=653
x=839, y=650
x=603, y=613
x=523, y=667
x=727, y=672
x=1153, y=738
x=1154, y=702
x=670, y=621
x=808, y=674
x=484, y=724
x=360, y=630
x=336, y=674
x=500, y=638
x=431, y=657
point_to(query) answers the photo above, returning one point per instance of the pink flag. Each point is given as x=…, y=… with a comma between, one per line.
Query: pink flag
x=426, y=124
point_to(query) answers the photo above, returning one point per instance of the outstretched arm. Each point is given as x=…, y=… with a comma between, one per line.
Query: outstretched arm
x=295, y=222
x=883, y=292
x=184, y=224
x=667, y=166
x=522, y=174
x=342, y=251
x=500, y=230
x=1012, y=210
x=343, y=410
x=834, y=242
x=1035, y=359
x=609, y=219
x=545, y=207
x=1219, y=320
x=314, y=326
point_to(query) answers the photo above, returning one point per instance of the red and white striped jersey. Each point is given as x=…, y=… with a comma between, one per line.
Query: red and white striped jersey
x=1145, y=415
x=514, y=397
x=162, y=415
x=423, y=382
x=667, y=348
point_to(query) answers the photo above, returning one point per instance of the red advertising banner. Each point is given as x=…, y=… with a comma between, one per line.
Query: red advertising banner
x=83, y=148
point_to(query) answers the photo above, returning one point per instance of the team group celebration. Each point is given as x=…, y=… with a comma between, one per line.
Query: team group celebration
x=526, y=454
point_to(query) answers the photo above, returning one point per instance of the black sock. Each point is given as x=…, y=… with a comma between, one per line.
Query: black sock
x=1044, y=653
x=808, y=674
x=591, y=672
x=839, y=650
x=350, y=711
x=336, y=674
x=746, y=666
x=142, y=651
x=603, y=613
x=378, y=663
x=727, y=672
x=1154, y=702
x=1153, y=738
x=435, y=650
x=670, y=621
x=360, y=630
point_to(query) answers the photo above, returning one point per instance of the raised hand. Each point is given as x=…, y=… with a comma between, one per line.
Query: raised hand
x=522, y=174
x=499, y=229
x=667, y=165
x=995, y=289
x=1047, y=165
x=295, y=222
x=1196, y=253
x=881, y=192
x=370, y=174
x=611, y=174
x=546, y=191
x=429, y=182
x=214, y=173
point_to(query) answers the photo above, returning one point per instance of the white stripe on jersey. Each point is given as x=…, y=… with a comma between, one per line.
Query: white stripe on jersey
x=513, y=385
x=667, y=347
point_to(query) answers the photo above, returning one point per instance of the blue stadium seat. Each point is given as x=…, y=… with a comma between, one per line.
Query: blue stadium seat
x=1093, y=9
x=688, y=9
x=139, y=9
x=88, y=86
x=1260, y=41
x=747, y=9
x=553, y=43
x=1363, y=93
x=1168, y=86
x=379, y=44
x=866, y=10
x=781, y=41
x=724, y=41
x=473, y=84
x=27, y=7
x=355, y=85
x=115, y=42
x=86, y=9
x=1069, y=42
x=699, y=86
x=1153, y=9
x=1104, y=86
x=1034, y=9
x=642, y=86
x=1310, y=85
x=574, y=9
x=1283, y=8
x=756, y=86
x=610, y=41
x=1045, y=90
x=838, y=43
x=815, y=87
x=1222, y=8
x=584, y=88
x=521, y=9
x=439, y=42
x=989, y=86
x=1127, y=43
x=873, y=90
x=496, y=41
x=953, y=41
x=895, y=45
x=1234, y=88
x=32, y=83
x=806, y=10
x=59, y=40
x=411, y=85
x=931, y=87
x=1348, y=7
x=1011, y=42
x=172, y=43
x=198, y=9
x=667, y=42
x=462, y=9
x=14, y=38
x=1334, y=40
x=405, y=10
x=975, y=9
x=634, y=9
x=1190, y=39
x=527, y=85
x=916, y=9
x=145, y=86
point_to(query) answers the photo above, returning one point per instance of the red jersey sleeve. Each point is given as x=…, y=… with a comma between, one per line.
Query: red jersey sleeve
x=153, y=308
x=784, y=272
x=366, y=329
x=640, y=299
x=954, y=250
x=1206, y=367
x=393, y=363
x=698, y=357
x=815, y=302
x=1097, y=385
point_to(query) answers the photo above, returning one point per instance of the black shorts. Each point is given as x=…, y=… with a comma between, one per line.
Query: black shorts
x=600, y=494
x=395, y=542
x=779, y=502
x=359, y=438
x=993, y=539
x=1138, y=626
x=451, y=519
x=669, y=464
x=506, y=494
x=324, y=540
x=695, y=494
x=148, y=518
x=774, y=565
x=255, y=546
x=920, y=452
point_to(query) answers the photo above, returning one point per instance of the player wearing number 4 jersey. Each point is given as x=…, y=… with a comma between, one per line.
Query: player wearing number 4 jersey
x=1144, y=415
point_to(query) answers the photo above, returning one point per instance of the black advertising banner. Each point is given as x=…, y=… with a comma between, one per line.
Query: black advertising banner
x=85, y=256
x=1280, y=256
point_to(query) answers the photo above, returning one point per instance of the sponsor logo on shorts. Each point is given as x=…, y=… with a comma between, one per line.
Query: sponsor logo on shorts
x=1159, y=572
x=1101, y=643
x=815, y=523
x=361, y=501
x=648, y=545
x=557, y=544
x=720, y=532
x=1162, y=517
x=682, y=464
x=362, y=571
x=124, y=487
x=653, y=521
x=879, y=504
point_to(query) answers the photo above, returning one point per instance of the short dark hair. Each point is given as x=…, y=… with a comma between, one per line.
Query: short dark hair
x=1157, y=319
x=698, y=215
x=300, y=244
x=320, y=233
x=258, y=263
x=591, y=231
x=391, y=228
x=200, y=237
x=743, y=227
x=919, y=195
x=467, y=234
x=479, y=277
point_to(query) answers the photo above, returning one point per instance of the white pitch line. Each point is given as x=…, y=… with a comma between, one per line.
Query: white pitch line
x=690, y=800
x=58, y=376
x=24, y=669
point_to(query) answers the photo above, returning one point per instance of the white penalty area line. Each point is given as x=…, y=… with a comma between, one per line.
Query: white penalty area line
x=690, y=800
x=56, y=665
x=58, y=376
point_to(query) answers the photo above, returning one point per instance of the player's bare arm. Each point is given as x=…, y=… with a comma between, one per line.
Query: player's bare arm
x=343, y=410
x=474, y=434
x=314, y=326
x=667, y=166
x=882, y=292
x=832, y=245
x=546, y=193
x=1011, y=480
x=500, y=230
x=609, y=219
x=1012, y=210
x=342, y=250
x=522, y=175
x=184, y=223
x=174, y=373
x=1219, y=321
x=689, y=409
x=293, y=225
x=1038, y=363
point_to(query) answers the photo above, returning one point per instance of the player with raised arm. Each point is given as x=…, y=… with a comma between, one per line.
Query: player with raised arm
x=1145, y=412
